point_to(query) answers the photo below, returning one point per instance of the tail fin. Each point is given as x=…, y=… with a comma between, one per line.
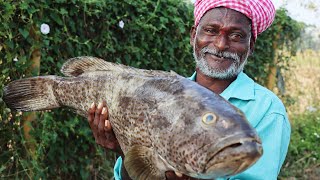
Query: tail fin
x=31, y=94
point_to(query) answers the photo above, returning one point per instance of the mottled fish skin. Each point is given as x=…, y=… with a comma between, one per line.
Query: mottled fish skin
x=186, y=127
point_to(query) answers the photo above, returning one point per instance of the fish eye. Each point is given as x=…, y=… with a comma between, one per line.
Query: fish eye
x=209, y=118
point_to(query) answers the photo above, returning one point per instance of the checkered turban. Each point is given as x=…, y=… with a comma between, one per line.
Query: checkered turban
x=260, y=12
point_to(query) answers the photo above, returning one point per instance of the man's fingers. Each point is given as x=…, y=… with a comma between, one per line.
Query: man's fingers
x=102, y=119
x=111, y=145
x=178, y=174
x=101, y=127
x=91, y=112
x=97, y=115
x=107, y=126
x=109, y=133
x=104, y=114
x=170, y=175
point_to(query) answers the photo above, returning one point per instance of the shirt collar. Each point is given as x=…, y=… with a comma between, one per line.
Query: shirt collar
x=241, y=88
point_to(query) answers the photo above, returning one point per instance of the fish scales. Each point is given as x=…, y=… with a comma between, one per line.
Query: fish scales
x=162, y=121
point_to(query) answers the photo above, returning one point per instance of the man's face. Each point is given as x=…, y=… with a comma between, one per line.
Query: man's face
x=222, y=43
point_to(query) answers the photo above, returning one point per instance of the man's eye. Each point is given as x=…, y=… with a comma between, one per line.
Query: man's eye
x=236, y=36
x=209, y=30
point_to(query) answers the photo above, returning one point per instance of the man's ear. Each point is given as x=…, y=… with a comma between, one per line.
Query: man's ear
x=252, y=42
x=192, y=34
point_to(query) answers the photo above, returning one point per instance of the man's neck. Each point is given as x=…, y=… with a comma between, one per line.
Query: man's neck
x=215, y=85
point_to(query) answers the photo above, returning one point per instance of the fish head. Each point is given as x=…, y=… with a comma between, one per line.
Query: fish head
x=209, y=137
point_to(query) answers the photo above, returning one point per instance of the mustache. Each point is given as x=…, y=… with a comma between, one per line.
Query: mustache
x=222, y=54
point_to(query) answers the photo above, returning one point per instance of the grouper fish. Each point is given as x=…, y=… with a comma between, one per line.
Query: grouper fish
x=163, y=121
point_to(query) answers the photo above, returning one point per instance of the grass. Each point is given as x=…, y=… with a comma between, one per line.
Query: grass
x=303, y=82
x=303, y=86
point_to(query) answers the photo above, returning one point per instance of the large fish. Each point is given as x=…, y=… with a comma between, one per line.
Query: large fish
x=162, y=121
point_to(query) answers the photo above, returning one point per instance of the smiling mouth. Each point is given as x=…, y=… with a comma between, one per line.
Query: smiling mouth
x=218, y=58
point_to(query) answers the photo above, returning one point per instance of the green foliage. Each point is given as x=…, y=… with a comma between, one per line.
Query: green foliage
x=155, y=35
x=64, y=149
x=303, y=159
x=280, y=38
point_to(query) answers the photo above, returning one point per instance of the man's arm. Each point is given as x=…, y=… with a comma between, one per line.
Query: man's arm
x=274, y=131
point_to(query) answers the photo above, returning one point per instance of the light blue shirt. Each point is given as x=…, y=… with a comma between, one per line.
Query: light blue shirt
x=267, y=114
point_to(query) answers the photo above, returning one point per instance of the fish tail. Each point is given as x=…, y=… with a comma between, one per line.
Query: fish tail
x=32, y=94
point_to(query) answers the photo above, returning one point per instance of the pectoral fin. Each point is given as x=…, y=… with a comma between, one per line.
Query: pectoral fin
x=142, y=163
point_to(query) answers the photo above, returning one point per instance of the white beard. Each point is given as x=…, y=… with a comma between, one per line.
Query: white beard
x=235, y=68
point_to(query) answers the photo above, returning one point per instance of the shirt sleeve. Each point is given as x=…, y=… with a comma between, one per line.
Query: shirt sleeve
x=117, y=169
x=274, y=131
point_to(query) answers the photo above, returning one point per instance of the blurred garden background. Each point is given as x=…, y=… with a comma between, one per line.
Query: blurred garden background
x=37, y=37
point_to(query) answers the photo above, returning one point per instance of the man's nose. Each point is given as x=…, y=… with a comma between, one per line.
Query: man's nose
x=221, y=42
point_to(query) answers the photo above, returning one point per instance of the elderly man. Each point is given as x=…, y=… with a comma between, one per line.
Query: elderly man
x=223, y=36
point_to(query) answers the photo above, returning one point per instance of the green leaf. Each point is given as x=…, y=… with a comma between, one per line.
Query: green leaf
x=24, y=33
x=63, y=11
x=56, y=18
x=5, y=70
x=2, y=168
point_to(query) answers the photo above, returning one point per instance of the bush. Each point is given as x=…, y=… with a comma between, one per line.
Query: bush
x=303, y=159
x=280, y=41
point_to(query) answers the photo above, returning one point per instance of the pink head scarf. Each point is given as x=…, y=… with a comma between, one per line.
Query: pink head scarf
x=260, y=12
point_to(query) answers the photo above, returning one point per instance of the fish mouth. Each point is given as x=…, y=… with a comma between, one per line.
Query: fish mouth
x=233, y=155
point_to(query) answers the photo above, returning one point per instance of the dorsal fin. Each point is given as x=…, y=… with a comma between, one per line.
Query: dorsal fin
x=79, y=65
x=76, y=66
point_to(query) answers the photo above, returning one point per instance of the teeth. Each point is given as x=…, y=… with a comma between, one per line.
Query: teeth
x=221, y=57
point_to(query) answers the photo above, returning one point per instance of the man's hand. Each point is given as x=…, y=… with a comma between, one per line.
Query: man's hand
x=101, y=127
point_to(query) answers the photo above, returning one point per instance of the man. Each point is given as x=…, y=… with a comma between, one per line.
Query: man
x=222, y=37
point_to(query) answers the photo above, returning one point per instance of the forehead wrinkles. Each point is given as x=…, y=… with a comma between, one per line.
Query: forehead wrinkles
x=225, y=10
x=225, y=15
